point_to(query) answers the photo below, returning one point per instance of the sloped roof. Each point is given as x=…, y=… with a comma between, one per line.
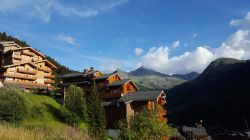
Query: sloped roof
x=119, y=83
x=197, y=131
x=9, y=43
x=46, y=61
x=141, y=96
x=105, y=76
x=78, y=74
x=7, y=66
x=71, y=75
x=24, y=48
x=75, y=83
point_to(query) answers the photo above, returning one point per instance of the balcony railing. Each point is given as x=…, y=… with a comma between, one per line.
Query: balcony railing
x=19, y=76
x=17, y=57
x=44, y=69
x=34, y=59
x=28, y=53
x=48, y=81
x=109, y=95
x=26, y=71
x=27, y=83
x=49, y=76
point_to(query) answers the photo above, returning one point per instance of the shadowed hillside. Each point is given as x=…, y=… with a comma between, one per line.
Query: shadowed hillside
x=219, y=96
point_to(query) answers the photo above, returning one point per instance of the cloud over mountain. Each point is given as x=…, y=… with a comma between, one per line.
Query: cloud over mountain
x=236, y=46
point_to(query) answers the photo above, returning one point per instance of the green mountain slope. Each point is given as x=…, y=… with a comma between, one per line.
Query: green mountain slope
x=152, y=81
x=219, y=96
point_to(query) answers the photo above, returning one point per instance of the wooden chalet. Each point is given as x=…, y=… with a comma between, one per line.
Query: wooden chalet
x=25, y=67
x=109, y=86
x=129, y=104
x=120, y=97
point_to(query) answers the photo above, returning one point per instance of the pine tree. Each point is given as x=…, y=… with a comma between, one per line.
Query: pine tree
x=96, y=114
x=75, y=102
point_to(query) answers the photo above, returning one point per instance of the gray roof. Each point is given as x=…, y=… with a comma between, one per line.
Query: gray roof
x=77, y=74
x=197, y=131
x=71, y=75
x=118, y=83
x=104, y=76
x=75, y=83
x=141, y=96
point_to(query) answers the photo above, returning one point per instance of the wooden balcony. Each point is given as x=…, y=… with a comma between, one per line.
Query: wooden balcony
x=44, y=69
x=31, y=84
x=17, y=57
x=19, y=76
x=49, y=81
x=28, y=53
x=110, y=95
x=34, y=59
x=27, y=71
x=49, y=76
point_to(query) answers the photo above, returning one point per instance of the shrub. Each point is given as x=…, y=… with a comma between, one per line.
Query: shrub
x=70, y=117
x=12, y=105
x=144, y=125
x=75, y=102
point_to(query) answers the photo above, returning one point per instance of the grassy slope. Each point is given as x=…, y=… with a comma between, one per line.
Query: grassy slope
x=153, y=81
x=43, y=122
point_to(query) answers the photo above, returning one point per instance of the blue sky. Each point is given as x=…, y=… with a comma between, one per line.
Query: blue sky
x=170, y=36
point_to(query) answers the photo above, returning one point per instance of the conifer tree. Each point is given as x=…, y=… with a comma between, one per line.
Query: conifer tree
x=96, y=114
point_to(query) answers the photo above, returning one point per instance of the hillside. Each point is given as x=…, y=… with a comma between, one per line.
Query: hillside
x=60, y=68
x=187, y=76
x=44, y=121
x=219, y=96
x=152, y=81
x=143, y=71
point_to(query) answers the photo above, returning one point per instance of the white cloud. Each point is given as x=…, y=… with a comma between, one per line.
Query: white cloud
x=158, y=59
x=242, y=23
x=176, y=44
x=43, y=9
x=67, y=39
x=138, y=51
x=236, y=46
x=194, y=35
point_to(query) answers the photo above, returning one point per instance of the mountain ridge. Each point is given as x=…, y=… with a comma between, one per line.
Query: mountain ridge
x=143, y=71
x=217, y=96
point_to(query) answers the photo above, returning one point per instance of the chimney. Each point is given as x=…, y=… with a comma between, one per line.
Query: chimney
x=92, y=69
x=85, y=72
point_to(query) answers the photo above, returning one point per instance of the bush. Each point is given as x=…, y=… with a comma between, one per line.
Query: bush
x=70, y=117
x=75, y=102
x=144, y=125
x=12, y=105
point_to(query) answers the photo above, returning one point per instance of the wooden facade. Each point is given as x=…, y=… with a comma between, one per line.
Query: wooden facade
x=120, y=97
x=25, y=67
x=131, y=103
x=109, y=86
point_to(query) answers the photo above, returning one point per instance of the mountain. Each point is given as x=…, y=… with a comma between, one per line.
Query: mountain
x=187, y=76
x=143, y=71
x=219, y=96
x=60, y=68
x=151, y=81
